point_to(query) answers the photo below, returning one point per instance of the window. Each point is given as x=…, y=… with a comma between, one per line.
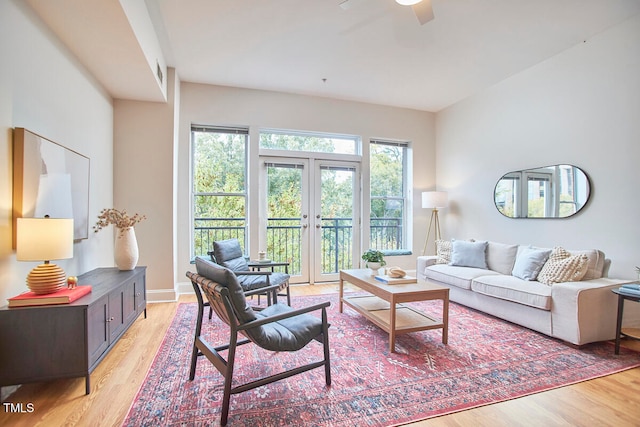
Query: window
x=219, y=186
x=305, y=141
x=573, y=191
x=507, y=195
x=539, y=199
x=389, y=192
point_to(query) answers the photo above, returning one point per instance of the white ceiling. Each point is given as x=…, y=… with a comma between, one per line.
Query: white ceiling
x=374, y=52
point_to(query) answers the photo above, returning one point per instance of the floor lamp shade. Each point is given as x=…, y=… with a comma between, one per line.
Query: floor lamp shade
x=434, y=200
x=44, y=239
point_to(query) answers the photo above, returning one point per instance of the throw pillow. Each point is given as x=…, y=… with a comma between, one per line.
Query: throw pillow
x=563, y=267
x=468, y=254
x=501, y=257
x=443, y=251
x=529, y=262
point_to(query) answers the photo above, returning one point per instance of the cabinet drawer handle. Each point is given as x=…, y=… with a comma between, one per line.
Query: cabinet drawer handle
x=110, y=319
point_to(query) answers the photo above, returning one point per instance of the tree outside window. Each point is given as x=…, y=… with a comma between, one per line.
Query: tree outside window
x=219, y=186
x=388, y=162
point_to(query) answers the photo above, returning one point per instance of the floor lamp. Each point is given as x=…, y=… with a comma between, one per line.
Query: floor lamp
x=434, y=200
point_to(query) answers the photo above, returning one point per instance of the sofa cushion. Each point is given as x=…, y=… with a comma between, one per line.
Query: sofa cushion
x=443, y=251
x=460, y=277
x=510, y=288
x=563, y=267
x=468, y=254
x=501, y=257
x=595, y=264
x=529, y=262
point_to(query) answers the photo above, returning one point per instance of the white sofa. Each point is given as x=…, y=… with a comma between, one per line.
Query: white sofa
x=579, y=312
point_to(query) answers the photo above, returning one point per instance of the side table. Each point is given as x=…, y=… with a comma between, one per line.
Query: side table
x=258, y=266
x=627, y=332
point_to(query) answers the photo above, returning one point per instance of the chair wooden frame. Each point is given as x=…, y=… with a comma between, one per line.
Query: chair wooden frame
x=219, y=299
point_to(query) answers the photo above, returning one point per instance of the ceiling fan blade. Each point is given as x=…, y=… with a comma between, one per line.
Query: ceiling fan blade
x=423, y=11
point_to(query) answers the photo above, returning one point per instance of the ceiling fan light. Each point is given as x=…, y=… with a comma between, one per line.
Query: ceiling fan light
x=408, y=2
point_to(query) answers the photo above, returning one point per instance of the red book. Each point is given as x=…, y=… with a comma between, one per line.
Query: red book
x=63, y=296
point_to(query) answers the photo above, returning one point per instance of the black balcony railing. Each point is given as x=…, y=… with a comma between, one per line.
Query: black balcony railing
x=337, y=244
x=386, y=234
x=284, y=237
x=283, y=242
x=208, y=230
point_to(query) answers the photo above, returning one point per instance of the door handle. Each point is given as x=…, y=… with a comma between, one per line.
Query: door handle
x=318, y=225
x=305, y=225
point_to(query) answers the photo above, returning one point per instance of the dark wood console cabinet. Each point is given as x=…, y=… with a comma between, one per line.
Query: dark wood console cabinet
x=61, y=341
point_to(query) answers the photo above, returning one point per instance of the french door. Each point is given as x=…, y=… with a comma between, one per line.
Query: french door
x=310, y=215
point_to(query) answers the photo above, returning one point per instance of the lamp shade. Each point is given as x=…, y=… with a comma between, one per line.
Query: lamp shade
x=435, y=199
x=44, y=239
x=408, y=2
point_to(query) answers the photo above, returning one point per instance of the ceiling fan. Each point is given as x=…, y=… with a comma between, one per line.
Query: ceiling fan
x=422, y=8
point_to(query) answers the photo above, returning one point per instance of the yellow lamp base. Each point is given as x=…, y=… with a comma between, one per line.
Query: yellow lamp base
x=46, y=279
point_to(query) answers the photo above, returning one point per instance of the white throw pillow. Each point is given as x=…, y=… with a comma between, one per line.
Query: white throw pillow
x=468, y=254
x=501, y=257
x=529, y=263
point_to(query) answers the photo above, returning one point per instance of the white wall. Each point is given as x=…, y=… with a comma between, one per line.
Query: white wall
x=580, y=107
x=144, y=178
x=44, y=89
x=215, y=105
x=138, y=16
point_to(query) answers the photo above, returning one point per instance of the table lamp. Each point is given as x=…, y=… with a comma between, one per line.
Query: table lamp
x=44, y=239
x=434, y=200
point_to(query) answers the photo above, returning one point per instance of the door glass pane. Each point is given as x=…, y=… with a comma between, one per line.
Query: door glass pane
x=337, y=195
x=538, y=201
x=284, y=210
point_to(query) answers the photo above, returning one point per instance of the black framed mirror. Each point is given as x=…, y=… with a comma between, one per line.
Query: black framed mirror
x=557, y=191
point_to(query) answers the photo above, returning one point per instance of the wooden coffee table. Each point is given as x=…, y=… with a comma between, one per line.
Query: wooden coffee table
x=384, y=306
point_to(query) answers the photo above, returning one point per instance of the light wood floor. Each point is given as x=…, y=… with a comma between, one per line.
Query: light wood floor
x=609, y=401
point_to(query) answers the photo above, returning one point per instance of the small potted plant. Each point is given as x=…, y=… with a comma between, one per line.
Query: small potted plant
x=374, y=259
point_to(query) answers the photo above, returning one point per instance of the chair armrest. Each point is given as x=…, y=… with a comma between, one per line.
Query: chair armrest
x=267, y=264
x=262, y=290
x=293, y=313
x=252, y=273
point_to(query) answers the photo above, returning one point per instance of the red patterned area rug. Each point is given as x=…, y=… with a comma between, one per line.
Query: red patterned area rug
x=486, y=361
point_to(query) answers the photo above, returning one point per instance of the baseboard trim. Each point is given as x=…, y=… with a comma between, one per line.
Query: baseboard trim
x=162, y=295
x=184, y=288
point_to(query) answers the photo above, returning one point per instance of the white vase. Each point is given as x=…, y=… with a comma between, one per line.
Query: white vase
x=126, y=249
x=374, y=266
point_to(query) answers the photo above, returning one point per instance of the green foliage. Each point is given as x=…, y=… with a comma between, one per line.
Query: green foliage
x=373, y=255
x=302, y=142
x=220, y=194
x=219, y=163
x=386, y=171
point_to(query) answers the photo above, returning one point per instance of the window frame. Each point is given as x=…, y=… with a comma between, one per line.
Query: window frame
x=405, y=198
x=237, y=130
x=357, y=143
